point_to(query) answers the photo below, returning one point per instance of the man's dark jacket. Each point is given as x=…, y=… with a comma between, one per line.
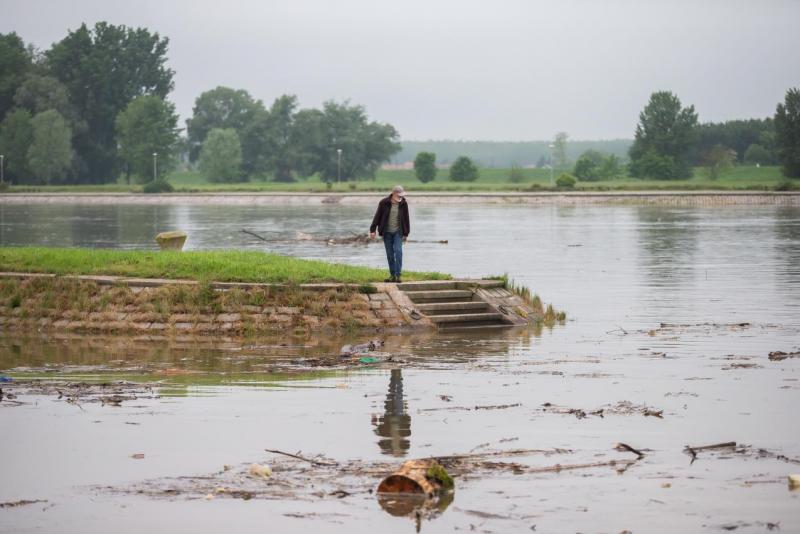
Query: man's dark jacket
x=381, y=219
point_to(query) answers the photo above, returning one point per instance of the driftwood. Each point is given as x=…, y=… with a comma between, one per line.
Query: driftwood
x=255, y=235
x=694, y=450
x=505, y=454
x=620, y=408
x=312, y=462
x=626, y=447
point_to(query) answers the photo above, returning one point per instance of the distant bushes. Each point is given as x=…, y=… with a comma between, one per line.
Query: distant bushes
x=158, y=186
x=463, y=170
x=593, y=166
x=425, y=167
x=566, y=181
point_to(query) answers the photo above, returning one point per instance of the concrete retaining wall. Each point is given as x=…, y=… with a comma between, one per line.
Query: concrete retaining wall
x=126, y=305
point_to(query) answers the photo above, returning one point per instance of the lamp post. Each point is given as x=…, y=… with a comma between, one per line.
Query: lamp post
x=2, y=175
x=155, y=166
x=338, y=165
x=551, y=146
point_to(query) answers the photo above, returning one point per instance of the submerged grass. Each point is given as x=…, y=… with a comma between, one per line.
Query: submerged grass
x=549, y=315
x=217, y=266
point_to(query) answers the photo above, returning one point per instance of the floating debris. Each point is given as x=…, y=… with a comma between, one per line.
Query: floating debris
x=778, y=355
x=22, y=502
x=362, y=348
x=620, y=408
x=260, y=471
x=77, y=393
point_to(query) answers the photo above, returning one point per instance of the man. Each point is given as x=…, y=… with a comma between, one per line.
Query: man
x=393, y=224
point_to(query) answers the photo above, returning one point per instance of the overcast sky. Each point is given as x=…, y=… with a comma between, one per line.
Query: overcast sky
x=464, y=69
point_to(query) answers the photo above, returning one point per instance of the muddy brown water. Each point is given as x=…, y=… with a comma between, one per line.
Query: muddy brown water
x=724, y=281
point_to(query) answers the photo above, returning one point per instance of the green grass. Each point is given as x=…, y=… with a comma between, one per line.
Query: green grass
x=490, y=180
x=218, y=266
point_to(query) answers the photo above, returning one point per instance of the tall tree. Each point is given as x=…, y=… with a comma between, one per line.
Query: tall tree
x=15, y=62
x=425, y=167
x=282, y=146
x=16, y=136
x=224, y=107
x=104, y=69
x=50, y=153
x=39, y=93
x=364, y=145
x=307, y=136
x=146, y=126
x=664, y=138
x=787, y=133
x=221, y=156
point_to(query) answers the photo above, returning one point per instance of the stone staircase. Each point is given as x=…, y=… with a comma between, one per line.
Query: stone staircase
x=456, y=304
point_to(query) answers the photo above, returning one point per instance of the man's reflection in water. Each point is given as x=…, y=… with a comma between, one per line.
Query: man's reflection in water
x=394, y=426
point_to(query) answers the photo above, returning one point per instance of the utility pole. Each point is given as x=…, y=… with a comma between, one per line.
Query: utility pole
x=155, y=166
x=339, y=165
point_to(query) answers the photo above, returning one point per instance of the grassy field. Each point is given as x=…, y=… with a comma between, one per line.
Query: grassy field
x=218, y=266
x=491, y=180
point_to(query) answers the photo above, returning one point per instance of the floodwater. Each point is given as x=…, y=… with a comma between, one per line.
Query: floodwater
x=671, y=310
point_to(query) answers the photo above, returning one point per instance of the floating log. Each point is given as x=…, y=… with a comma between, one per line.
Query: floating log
x=427, y=477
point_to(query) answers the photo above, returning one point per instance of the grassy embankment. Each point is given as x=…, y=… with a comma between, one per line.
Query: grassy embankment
x=490, y=180
x=83, y=305
x=217, y=266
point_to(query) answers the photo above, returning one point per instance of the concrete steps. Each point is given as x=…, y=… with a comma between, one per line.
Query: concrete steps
x=436, y=285
x=433, y=295
x=426, y=286
x=445, y=307
x=472, y=325
x=468, y=317
x=453, y=304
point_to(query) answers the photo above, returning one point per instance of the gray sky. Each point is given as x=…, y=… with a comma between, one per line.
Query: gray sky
x=465, y=69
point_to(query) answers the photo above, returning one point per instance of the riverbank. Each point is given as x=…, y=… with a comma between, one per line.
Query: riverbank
x=238, y=293
x=669, y=198
x=490, y=180
x=35, y=302
x=208, y=292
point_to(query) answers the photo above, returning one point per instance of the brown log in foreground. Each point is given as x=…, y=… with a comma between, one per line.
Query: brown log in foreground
x=411, y=478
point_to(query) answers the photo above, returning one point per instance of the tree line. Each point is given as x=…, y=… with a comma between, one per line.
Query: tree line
x=234, y=137
x=94, y=107
x=669, y=142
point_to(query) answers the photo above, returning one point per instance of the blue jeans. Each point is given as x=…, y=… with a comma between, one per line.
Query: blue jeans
x=393, y=241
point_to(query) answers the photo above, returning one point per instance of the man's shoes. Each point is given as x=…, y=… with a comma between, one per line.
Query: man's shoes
x=389, y=280
x=398, y=280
